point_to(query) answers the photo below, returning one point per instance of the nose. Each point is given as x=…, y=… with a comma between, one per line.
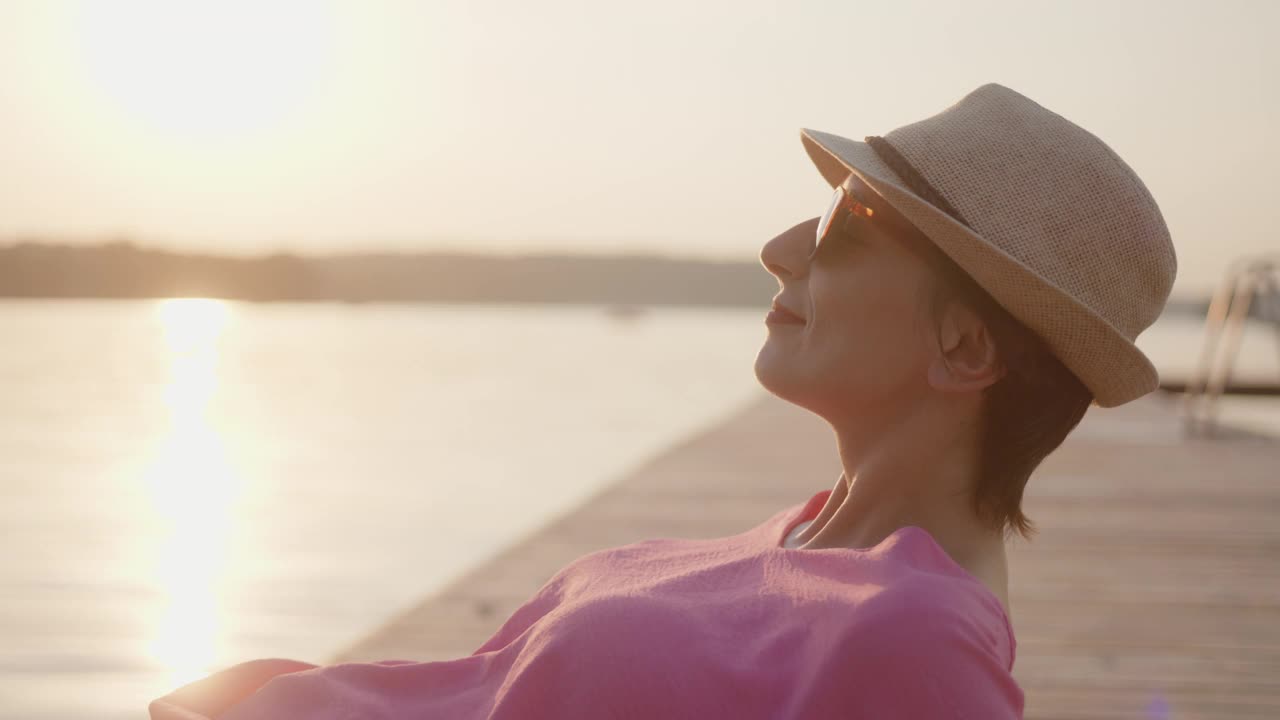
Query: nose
x=788, y=254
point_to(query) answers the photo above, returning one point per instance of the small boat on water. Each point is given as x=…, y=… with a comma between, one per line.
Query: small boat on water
x=625, y=312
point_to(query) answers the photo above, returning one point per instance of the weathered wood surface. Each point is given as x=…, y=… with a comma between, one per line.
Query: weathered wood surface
x=1151, y=591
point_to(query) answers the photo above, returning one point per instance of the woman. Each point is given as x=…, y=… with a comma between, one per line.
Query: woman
x=976, y=283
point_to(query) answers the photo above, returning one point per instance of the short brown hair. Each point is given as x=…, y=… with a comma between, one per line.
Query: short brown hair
x=1026, y=414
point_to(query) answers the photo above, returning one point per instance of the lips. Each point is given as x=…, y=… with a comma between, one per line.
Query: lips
x=781, y=314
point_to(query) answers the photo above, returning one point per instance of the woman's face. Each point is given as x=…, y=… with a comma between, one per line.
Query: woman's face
x=865, y=346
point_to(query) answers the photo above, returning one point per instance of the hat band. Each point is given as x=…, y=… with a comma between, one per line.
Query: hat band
x=915, y=181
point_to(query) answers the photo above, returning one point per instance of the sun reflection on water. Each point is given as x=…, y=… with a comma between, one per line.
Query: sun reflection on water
x=192, y=488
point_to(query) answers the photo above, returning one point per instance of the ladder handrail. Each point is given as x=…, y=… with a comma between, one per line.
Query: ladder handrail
x=1246, y=277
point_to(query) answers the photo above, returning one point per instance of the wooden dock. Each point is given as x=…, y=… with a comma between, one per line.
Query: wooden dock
x=1152, y=591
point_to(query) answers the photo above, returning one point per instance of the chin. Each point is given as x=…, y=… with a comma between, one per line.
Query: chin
x=774, y=374
x=777, y=373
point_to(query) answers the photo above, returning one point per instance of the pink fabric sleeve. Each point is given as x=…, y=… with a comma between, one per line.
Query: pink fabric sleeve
x=214, y=695
x=924, y=657
x=211, y=696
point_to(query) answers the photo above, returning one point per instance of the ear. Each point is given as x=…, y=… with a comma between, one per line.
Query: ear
x=968, y=360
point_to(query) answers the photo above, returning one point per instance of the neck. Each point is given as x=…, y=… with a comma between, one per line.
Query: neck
x=888, y=485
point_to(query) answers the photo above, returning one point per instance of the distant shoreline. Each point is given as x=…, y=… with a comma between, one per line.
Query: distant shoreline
x=122, y=270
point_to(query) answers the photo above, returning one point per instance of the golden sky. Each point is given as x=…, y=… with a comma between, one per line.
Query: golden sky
x=247, y=126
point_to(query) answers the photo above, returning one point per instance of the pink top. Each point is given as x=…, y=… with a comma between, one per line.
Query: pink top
x=733, y=627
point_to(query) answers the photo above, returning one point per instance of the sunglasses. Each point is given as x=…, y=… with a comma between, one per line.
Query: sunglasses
x=835, y=220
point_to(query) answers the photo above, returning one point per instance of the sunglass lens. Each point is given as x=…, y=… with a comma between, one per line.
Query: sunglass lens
x=824, y=225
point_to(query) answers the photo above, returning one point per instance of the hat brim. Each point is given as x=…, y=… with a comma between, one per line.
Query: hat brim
x=1107, y=362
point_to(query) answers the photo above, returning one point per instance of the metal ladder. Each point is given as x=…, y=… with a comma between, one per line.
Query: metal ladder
x=1247, y=278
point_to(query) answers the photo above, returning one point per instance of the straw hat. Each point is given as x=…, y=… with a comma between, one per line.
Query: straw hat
x=1041, y=213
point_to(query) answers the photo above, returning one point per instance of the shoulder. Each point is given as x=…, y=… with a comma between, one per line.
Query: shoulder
x=925, y=649
x=927, y=612
x=937, y=587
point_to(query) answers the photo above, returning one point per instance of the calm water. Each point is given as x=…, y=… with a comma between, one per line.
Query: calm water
x=190, y=483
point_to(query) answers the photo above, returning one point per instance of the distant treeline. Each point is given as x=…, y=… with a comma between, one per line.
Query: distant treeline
x=122, y=270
